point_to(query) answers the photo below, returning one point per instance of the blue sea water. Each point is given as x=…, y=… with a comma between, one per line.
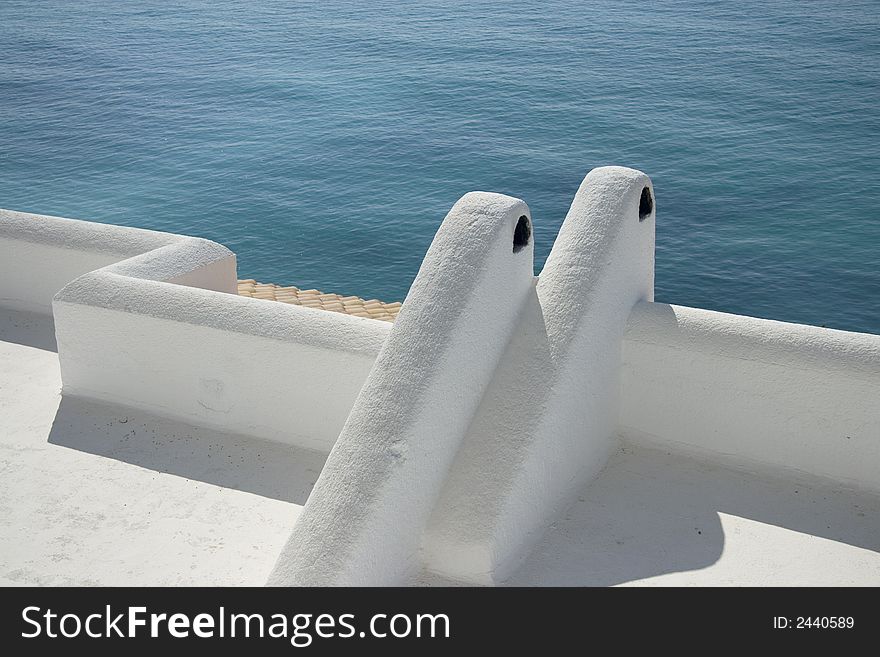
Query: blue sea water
x=324, y=141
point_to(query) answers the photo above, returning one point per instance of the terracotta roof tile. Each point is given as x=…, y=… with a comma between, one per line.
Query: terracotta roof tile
x=371, y=308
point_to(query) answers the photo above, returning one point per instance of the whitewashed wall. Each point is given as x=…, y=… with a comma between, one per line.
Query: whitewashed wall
x=42, y=254
x=753, y=392
x=152, y=321
x=257, y=368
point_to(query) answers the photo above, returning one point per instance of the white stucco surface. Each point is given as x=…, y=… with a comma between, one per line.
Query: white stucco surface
x=102, y=495
x=548, y=420
x=506, y=429
x=364, y=523
x=153, y=321
x=241, y=365
x=753, y=392
x=657, y=519
x=73, y=248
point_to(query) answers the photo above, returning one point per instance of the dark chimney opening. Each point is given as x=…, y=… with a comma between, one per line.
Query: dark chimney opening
x=646, y=204
x=521, y=234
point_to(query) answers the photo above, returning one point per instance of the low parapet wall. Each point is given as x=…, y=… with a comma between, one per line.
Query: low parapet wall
x=753, y=392
x=42, y=254
x=152, y=321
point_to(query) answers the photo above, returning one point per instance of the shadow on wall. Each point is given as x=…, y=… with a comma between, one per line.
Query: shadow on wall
x=500, y=432
x=649, y=513
x=28, y=329
x=264, y=468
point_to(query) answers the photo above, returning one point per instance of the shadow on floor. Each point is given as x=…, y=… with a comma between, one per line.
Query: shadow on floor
x=272, y=470
x=649, y=513
x=28, y=329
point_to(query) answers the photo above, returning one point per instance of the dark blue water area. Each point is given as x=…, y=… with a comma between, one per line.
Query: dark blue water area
x=324, y=141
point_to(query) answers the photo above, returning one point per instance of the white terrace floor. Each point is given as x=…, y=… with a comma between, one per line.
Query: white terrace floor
x=100, y=495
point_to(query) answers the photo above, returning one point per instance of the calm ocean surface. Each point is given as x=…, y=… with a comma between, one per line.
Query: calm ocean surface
x=324, y=141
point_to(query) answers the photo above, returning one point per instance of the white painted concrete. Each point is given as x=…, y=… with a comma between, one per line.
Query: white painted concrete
x=654, y=519
x=103, y=495
x=258, y=368
x=472, y=433
x=42, y=254
x=548, y=421
x=151, y=320
x=363, y=524
x=754, y=392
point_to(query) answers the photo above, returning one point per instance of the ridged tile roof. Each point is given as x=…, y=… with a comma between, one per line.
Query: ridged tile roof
x=369, y=308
